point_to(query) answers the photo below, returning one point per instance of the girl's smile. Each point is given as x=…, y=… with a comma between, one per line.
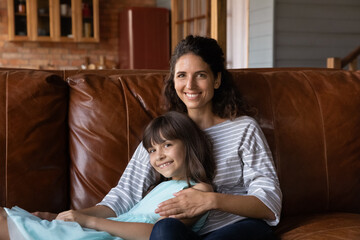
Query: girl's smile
x=165, y=164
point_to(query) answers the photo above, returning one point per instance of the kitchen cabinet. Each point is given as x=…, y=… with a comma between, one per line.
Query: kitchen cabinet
x=54, y=20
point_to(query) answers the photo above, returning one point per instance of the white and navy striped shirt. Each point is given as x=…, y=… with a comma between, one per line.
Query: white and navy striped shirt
x=244, y=167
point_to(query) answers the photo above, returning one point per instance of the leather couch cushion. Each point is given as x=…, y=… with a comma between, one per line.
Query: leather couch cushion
x=330, y=226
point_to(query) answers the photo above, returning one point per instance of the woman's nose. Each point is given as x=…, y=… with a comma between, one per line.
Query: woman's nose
x=190, y=83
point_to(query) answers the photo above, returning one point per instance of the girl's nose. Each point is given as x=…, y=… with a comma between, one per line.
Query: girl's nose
x=160, y=155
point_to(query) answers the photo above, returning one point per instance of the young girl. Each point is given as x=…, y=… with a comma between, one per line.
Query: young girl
x=179, y=152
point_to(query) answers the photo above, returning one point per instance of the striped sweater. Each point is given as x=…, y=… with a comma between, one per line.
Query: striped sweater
x=244, y=167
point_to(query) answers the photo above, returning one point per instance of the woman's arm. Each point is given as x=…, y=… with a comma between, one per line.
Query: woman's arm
x=263, y=199
x=199, y=187
x=247, y=206
x=191, y=199
x=189, y=203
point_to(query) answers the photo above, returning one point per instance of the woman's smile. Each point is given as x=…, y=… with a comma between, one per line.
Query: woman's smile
x=192, y=96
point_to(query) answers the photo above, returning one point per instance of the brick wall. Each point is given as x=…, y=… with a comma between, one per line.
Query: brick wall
x=66, y=55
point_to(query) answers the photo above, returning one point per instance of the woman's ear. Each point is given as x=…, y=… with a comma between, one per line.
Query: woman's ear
x=217, y=82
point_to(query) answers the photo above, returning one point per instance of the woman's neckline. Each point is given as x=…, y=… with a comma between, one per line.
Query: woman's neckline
x=218, y=124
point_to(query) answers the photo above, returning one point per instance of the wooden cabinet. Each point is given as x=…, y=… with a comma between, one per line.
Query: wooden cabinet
x=144, y=38
x=54, y=20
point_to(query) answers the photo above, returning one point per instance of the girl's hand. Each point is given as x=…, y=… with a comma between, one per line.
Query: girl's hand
x=3, y=213
x=187, y=203
x=45, y=215
x=75, y=216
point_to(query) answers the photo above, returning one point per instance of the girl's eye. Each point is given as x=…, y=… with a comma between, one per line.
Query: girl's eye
x=151, y=150
x=167, y=145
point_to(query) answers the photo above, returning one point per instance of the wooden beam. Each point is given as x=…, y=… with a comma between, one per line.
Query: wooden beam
x=349, y=58
x=174, y=28
x=218, y=22
x=334, y=63
x=353, y=65
x=11, y=20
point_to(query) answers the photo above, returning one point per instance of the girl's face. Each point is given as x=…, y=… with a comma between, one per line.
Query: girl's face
x=168, y=158
x=194, y=82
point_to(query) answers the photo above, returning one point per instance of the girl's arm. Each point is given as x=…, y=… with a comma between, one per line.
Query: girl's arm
x=100, y=211
x=94, y=218
x=126, y=230
x=96, y=211
x=90, y=218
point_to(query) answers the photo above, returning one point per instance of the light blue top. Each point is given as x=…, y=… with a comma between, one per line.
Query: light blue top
x=24, y=225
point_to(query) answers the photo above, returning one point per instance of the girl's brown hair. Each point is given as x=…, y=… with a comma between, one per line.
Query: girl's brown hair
x=199, y=161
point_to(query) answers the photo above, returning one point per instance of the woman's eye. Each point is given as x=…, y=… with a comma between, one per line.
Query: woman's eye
x=180, y=75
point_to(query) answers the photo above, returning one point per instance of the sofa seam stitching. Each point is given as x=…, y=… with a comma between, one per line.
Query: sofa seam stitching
x=278, y=165
x=127, y=118
x=324, y=140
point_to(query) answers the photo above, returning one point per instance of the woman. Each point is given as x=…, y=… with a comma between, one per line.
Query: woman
x=247, y=197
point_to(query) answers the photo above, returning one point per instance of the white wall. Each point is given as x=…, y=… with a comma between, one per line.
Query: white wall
x=164, y=4
x=237, y=33
x=309, y=31
x=261, y=33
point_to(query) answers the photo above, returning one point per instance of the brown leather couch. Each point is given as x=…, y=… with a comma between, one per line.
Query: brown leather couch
x=66, y=137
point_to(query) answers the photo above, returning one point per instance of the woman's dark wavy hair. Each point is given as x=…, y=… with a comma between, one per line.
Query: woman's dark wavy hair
x=200, y=164
x=227, y=101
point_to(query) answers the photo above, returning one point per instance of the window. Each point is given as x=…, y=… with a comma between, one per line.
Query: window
x=198, y=17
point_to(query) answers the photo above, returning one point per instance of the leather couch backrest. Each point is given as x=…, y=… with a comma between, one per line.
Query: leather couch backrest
x=34, y=158
x=312, y=122
x=92, y=123
x=106, y=118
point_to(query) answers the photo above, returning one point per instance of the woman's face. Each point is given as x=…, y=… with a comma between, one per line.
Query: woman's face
x=195, y=83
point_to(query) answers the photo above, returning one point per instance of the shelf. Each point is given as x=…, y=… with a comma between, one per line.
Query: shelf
x=43, y=21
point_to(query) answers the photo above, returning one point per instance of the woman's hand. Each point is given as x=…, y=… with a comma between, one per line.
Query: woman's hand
x=45, y=215
x=76, y=216
x=187, y=203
